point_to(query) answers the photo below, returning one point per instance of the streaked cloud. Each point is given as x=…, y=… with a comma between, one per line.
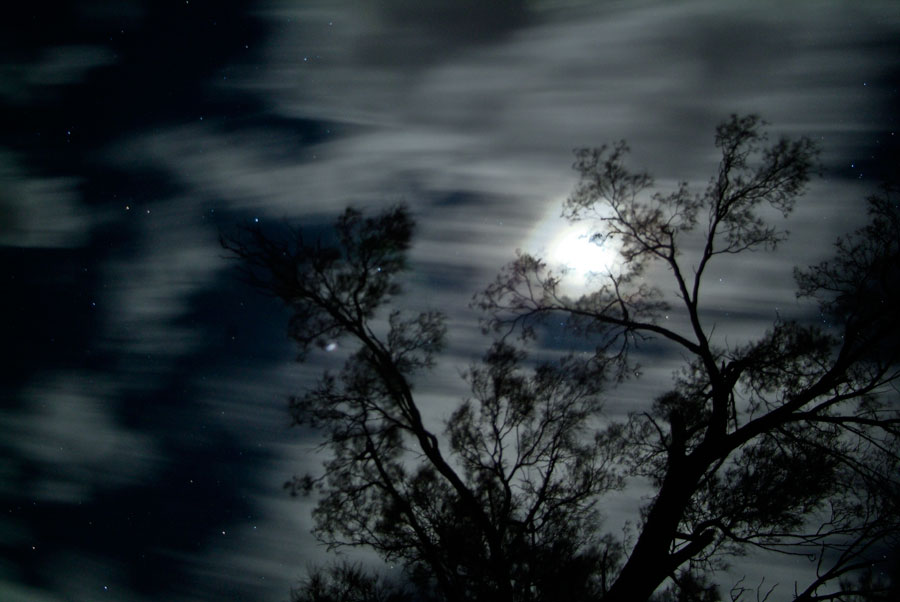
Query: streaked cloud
x=40, y=211
x=65, y=427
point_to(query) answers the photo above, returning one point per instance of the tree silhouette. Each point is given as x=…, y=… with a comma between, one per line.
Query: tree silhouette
x=347, y=582
x=787, y=443
x=512, y=511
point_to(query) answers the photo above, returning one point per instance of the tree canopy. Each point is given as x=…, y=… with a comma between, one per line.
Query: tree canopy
x=787, y=443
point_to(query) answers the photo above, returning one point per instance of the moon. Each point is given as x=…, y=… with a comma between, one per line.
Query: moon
x=568, y=249
x=573, y=248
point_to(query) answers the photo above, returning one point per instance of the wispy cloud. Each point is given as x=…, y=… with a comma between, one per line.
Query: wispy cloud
x=65, y=427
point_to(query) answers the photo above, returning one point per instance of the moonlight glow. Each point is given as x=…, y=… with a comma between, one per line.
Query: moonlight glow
x=568, y=248
x=573, y=248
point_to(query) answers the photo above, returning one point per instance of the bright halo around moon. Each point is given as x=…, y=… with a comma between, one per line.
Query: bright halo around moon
x=573, y=248
x=567, y=247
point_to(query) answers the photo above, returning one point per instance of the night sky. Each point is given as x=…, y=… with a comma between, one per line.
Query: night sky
x=144, y=434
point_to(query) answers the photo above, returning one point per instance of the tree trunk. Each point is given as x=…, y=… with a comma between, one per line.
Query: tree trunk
x=651, y=560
